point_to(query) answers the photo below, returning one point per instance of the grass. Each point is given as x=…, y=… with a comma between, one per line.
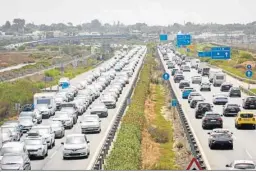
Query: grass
x=22, y=91
x=253, y=90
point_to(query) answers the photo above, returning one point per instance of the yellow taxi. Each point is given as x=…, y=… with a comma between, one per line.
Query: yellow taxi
x=245, y=118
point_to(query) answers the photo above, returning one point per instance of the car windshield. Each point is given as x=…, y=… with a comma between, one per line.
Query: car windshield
x=212, y=115
x=5, y=150
x=232, y=106
x=44, y=101
x=41, y=130
x=12, y=159
x=33, y=141
x=25, y=120
x=244, y=166
x=195, y=94
x=249, y=115
x=202, y=105
x=67, y=105
x=251, y=98
x=221, y=131
x=61, y=115
x=90, y=119
x=75, y=140
x=220, y=77
x=218, y=135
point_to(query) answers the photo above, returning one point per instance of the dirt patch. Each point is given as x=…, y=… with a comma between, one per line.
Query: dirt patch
x=14, y=58
x=150, y=149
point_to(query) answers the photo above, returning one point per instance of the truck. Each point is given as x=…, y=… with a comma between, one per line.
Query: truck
x=194, y=63
x=219, y=78
x=45, y=103
x=201, y=66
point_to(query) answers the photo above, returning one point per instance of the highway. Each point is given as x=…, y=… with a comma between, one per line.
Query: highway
x=54, y=160
x=244, y=140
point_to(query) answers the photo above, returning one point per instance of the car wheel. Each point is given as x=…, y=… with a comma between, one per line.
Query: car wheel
x=46, y=153
x=203, y=127
x=63, y=134
x=231, y=147
x=211, y=146
x=64, y=158
x=53, y=144
x=50, y=147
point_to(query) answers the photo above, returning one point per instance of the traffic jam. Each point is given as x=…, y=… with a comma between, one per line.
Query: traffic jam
x=85, y=104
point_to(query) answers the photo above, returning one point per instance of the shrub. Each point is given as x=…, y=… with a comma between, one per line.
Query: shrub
x=41, y=48
x=246, y=56
x=21, y=48
x=159, y=135
x=52, y=73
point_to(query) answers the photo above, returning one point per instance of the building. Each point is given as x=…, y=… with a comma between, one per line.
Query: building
x=58, y=33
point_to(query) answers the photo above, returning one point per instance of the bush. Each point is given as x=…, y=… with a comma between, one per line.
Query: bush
x=22, y=48
x=41, y=48
x=245, y=55
x=125, y=154
x=159, y=135
x=52, y=73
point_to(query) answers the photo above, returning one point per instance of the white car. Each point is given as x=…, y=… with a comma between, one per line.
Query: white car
x=90, y=123
x=76, y=145
x=47, y=133
x=241, y=165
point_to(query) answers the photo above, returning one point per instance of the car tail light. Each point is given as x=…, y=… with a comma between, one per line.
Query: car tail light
x=253, y=119
x=219, y=119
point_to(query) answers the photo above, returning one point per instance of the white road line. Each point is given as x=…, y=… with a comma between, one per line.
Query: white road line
x=247, y=152
x=54, y=154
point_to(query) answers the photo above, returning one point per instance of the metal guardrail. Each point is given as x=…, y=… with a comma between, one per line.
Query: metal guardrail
x=246, y=91
x=189, y=135
x=99, y=162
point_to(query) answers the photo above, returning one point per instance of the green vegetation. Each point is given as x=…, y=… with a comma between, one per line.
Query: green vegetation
x=22, y=91
x=253, y=90
x=22, y=48
x=126, y=153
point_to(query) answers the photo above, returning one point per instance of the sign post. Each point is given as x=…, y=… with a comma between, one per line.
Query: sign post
x=183, y=40
x=249, y=73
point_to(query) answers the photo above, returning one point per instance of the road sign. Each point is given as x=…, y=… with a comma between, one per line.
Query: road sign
x=248, y=73
x=249, y=67
x=221, y=53
x=163, y=37
x=183, y=39
x=174, y=102
x=194, y=165
x=204, y=54
x=166, y=76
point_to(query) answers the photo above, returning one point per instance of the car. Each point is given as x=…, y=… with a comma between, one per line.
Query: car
x=36, y=145
x=192, y=95
x=171, y=65
x=15, y=131
x=184, y=83
x=195, y=100
x=58, y=129
x=109, y=101
x=245, y=118
x=186, y=91
x=178, y=77
x=100, y=109
x=249, y=102
x=15, y=161
x=71, y=109
x=231, y=109
x=29, y=114
x=196, y=79
x=76, y=145
x=242, y=165
x=234, y=92
x=26, y=123
x=205, y=86
x=186, y=68
x=220, y=99
x=225, y=87
x=90, y=123
x=6, y=135
x=44, y=110
x=174, y=71
x=65, y=118
x=14, y=123
x=202, y=108
x=47, y=133
x=220, y=130
x=212, y=120
x=220, y=140
x=13, y=147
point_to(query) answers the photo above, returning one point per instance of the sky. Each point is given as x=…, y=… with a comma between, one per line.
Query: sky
x=151, y=12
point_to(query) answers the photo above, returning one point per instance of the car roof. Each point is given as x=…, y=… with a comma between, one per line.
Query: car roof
x=13, y=144
x=74, y=135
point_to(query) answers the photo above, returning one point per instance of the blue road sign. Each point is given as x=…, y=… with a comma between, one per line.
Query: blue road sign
x=163, y=37
x=221, y=53
x=183, y=39
x=249, y=67
x=166, y=76
x=204, y=54
x=174, y=102
x=64, y=85
x=248, y=73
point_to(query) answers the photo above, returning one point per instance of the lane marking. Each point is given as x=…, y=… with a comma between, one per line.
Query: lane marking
x=247, y=152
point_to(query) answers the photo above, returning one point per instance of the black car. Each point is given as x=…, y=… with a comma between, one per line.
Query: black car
x=249, y=102
x=231, y=109
x=235, y=92
x=212, y=120
x=178, y=78
x=201, y=108
x=184, y=84
x=225, y=87
x=195, y=100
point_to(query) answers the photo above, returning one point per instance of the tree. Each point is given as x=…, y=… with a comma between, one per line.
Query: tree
x=70, y=24
x=95, y=24
x=6, y=26
x=19, y=24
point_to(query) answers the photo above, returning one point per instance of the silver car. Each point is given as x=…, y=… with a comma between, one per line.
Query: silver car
x=58, y=129
x=196, y=79
x=44, y=110
x=76, y=145
x=15, y=132
x=13, y=147
x=90, y=123
x=26, y=123
x=47, y=133
x=100, y=109
x=65, y=118
x=220, y=99
x=36, y=145
x=6, y=135
x=242, y=165
x=15, y=161
x=192, y=95
x=109, y=101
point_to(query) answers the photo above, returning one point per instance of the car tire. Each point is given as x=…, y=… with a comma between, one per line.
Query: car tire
x=46, y=153
x=231, y=147
x=53, y=144
x=50, y=147
x=203, y=127
x=64, y=158
x=211, y=146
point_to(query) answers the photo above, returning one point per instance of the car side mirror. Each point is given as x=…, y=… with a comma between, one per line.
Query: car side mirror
x=88, y=141
x=62, y=143
x=221, y=115
x=227, y=165
x=208, y=133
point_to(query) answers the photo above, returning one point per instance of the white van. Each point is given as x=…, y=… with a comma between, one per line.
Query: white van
x=45, y=103
x=213, y=72
x=218, y=79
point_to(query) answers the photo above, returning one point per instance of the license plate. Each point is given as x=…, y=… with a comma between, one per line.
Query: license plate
x=251, y=105
x=232, y=110
x=213, y=120
x=246, y=119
